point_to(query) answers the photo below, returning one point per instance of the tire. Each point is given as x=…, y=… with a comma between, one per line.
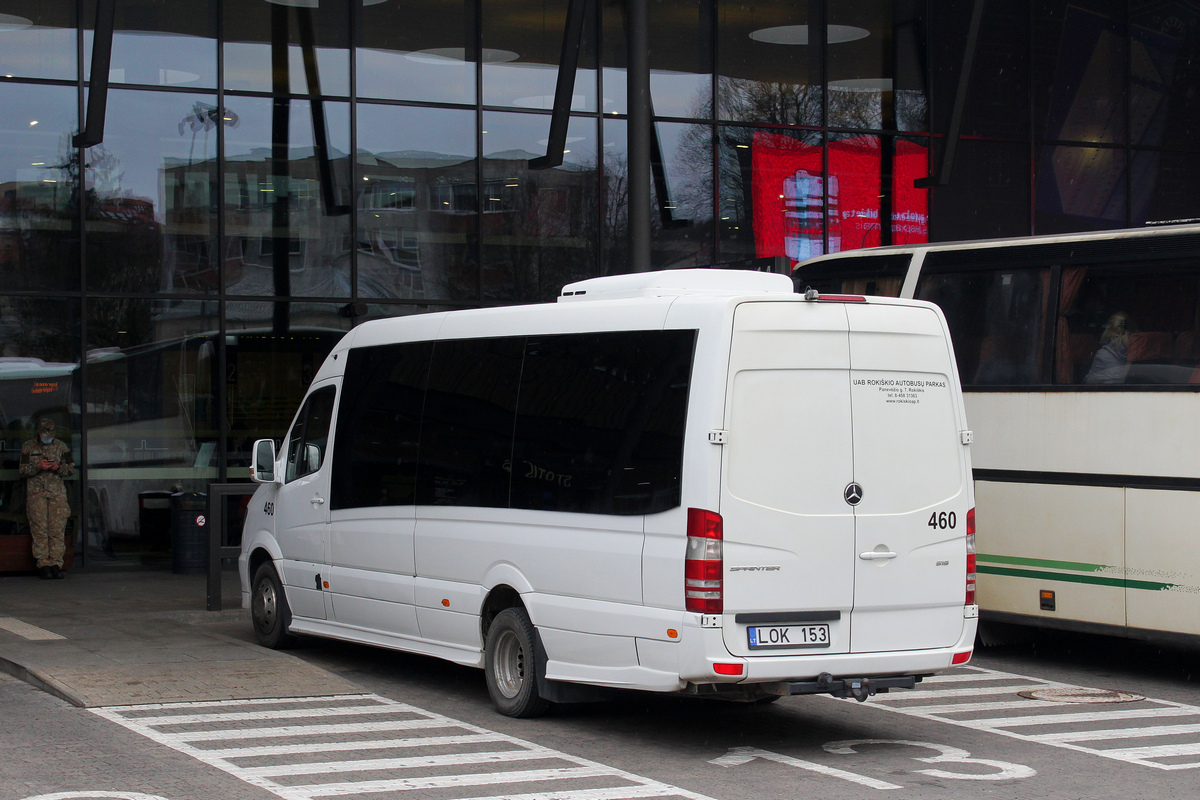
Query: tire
x=510, y=665
x=269, y=609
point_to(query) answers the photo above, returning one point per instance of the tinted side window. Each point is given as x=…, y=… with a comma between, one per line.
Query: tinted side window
x=600, y=422
x=375, y=460
x=466, y=438
x=997, y=322
x=309, y=439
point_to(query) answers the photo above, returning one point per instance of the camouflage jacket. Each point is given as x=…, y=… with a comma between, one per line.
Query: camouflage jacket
x=46, y=481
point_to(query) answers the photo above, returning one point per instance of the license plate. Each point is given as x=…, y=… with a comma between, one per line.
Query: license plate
x=765, y=636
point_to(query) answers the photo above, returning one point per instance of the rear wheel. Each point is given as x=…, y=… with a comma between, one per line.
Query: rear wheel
x=269, y=609
x=509, y=664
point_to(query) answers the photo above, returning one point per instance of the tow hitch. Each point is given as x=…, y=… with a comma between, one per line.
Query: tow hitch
x=858, y=688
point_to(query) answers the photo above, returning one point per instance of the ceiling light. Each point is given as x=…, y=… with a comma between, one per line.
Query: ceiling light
x=568, y=140
x=798, y=34
x=32, y=122
x=11, y=22
x=546, y=101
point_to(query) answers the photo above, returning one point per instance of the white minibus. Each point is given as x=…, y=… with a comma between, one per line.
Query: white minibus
x=692, y=481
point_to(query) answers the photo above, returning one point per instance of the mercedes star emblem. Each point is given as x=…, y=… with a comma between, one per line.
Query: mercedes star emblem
x=853, y=494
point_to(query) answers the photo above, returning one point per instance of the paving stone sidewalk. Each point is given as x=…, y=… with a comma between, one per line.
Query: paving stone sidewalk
x=142, y=636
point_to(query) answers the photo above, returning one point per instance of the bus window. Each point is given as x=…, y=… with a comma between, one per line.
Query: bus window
x=1128, y=324
x=882, y=276
x=997, y=321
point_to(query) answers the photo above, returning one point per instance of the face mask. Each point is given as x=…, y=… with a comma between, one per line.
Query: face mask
x=47, y=439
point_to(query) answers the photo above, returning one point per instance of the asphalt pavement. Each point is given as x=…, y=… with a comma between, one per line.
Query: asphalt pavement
x=126, y=637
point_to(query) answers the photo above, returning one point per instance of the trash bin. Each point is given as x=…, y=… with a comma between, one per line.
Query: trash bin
x=154, y=519
x=189, y=533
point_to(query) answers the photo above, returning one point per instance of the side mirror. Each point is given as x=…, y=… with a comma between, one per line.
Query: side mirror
x=262, y=469
x=312, y=455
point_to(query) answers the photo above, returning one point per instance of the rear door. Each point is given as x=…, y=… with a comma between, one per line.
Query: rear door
x=789, y=547
x=910, y=465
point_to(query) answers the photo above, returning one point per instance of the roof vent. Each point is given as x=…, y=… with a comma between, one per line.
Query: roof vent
x=675, y=282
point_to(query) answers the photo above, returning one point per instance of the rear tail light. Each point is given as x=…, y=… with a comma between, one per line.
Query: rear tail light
x=970, y=601
x=702, y=568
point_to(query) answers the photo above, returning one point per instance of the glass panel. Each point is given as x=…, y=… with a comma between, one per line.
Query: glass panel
x=770, y=66
x=39, y=175
x=39, y=377
x=286, y=222
x=989, y=195
x=37, y=40
x=681, y=204
x=997, y=101
x=159, y=42
x=539, y=226
x=152, y=194
x=417, y=221
x=680, y=60
x=1165, y=58
x=996, y=320
x=1130, y=323
x=1164, y=187
x=375, y=458
x=1080, y=49
x=772, y=196
x=854, y=192
x=256, y=32
x=467, y=429
x=614, y=199
x=873, y=275
x=268, y=368
x=600, y=422
x=417, y=50
x=1081, y=189
x=152, y=377
x=522, y=43
x=861, y=55
x=309, y=437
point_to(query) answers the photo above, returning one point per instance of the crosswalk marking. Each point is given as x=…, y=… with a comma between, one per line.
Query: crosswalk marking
x=1027, y=719
x=287, y=748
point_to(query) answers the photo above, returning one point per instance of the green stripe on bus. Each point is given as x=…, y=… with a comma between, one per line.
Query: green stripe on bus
x=1077, y=566
x=1100, y=580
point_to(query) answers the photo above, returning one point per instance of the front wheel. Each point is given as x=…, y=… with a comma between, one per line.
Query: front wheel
x=510, y=667
x=269, y=609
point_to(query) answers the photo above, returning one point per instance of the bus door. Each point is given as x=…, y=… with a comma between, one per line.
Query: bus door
x=910, y=479
x=302, y=505
x=789, y=555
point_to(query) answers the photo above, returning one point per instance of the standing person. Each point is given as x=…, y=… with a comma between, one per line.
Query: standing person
x=45, y=461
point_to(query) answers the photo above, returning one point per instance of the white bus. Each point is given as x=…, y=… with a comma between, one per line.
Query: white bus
x=693, y=481
x=1080, y=361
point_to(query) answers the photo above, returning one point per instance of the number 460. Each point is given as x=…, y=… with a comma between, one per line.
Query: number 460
x=943, y=520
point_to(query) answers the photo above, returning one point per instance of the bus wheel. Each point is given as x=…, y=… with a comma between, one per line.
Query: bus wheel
x=510, y=665
x=269, y=610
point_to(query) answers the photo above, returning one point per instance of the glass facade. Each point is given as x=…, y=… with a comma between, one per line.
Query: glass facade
x=271, y=172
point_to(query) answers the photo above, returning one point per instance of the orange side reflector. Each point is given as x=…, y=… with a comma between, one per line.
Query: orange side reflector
x=446, y=603
x=672, y=633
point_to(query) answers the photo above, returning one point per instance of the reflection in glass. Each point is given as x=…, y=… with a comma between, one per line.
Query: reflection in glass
x=522, y=43
x=286, y=230
x=1081, y=50
x=680, y=60
x=770, y=64
x=989, y=196
x=416, y=203
x=1165, y=62
x=151, y=201
x=417, y=51
x=37, y=40
x=614, y=198
x=159, y=42
x=1081, y=189
x=39, y=360
x=1164, y=186
x=877, y=80
x=539, y=226
x=256, y=34
x=681, y=225
x=266, y=374
x=39, y=176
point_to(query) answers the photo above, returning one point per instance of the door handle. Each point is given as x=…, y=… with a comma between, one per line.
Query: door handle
x=877, y=555
x=317, y=500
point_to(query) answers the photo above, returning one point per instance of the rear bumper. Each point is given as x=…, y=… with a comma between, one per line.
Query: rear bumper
x=704, y=648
